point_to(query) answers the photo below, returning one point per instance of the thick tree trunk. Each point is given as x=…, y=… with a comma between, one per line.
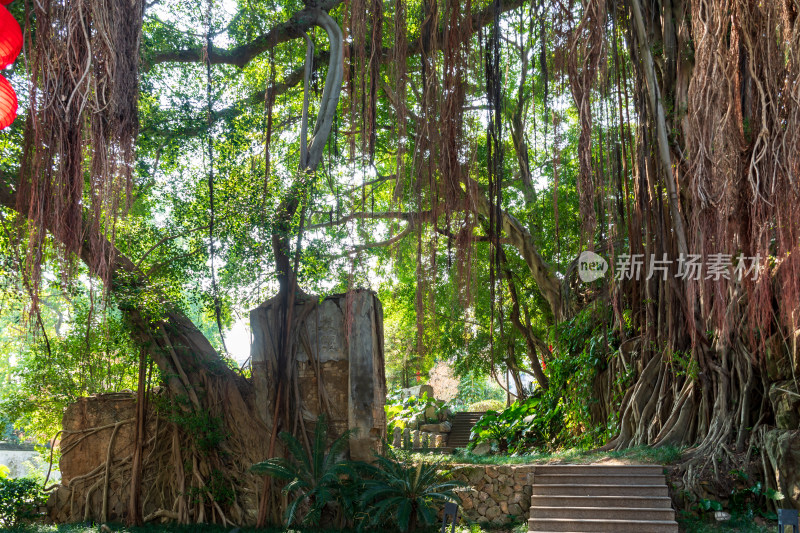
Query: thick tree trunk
x=201, y=385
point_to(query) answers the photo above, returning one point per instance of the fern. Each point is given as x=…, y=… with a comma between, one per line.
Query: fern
x=314, y=477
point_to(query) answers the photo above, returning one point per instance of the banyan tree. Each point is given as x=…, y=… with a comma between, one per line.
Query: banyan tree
x=687, y=148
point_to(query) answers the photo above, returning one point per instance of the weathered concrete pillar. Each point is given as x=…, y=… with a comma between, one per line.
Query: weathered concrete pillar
x=338, y=360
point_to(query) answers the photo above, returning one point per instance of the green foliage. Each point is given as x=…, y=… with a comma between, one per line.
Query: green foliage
x=474, y=388
x=218, y=489
x=314, y=478
x=685, y=364
x=406, y=494
x=583, y=345
x=213, y=528
x=373, y=494
x=705, y=505
x=691, y=523
x=20, y=499
x=486, y=405
x=638, y=455
x=522, y=426
x=206, y=430
x=410, y=411
x=749, y=500
x=86, y=349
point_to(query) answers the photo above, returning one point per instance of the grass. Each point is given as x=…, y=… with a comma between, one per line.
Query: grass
x=688, y=524
x=691, y=524
x=194, y=528
x=643, y=454
x=521, y=527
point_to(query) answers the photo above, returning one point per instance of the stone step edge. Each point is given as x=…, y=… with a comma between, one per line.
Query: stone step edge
x=595, y=508
x=603, y=521
x=599, y=466
x=594, y=485
x=604, y=497
x=570, y=470
x=578, y=474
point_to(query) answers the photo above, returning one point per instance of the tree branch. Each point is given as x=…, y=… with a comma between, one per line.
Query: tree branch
x=242, y=55
x=367, y=215
x=293, y=29
x=522, y=240
x=383, y=244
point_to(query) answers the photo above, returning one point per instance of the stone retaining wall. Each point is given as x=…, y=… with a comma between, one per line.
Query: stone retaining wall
x=496, y=495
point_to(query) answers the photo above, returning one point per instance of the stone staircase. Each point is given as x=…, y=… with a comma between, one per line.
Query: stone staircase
x=462, y=426
x=595, y=498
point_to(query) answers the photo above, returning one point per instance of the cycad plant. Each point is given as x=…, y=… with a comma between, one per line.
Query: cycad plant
x=313, y=477
x=405, y=493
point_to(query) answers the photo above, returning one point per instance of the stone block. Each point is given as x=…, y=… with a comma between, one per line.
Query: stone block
x=441, y=427
x=783, y=451
x=779, y=356
x=493, y=512
x=417, y=391
x=785, y=400
x=482, y=449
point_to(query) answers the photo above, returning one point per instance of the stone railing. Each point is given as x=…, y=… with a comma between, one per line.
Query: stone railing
x=427, y=436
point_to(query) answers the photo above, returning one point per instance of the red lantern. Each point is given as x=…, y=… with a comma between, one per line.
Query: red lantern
x=10, y=38
x=5, y=2
x=8, y=103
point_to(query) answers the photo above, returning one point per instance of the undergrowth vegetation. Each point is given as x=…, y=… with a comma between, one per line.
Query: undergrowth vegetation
x=691, y=523
x=393, y=493
x=561, y=416
x=665, y=455
x=209, y=528
x=20, y=499
x=410, y=412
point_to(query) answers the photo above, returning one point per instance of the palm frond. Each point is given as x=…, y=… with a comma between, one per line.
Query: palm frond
x=276, y=467
x=297, y=451
x=425, y=512
x=292, y=510
x=318, y=449
x=404, y=511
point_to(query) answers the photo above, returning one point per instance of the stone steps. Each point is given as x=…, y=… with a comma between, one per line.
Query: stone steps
x=601, y=490
x=593, y=511
x=600, y=498
x=614, y=526
x=599, y=479
x=650, y=502
x=462, y=427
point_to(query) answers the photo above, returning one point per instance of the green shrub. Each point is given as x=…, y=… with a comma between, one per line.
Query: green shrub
x=487, y=405
x=475, y=387
x=533, y=423
x=19, y=500
x=406, y=412
x=316, y=478
x=406, y=494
